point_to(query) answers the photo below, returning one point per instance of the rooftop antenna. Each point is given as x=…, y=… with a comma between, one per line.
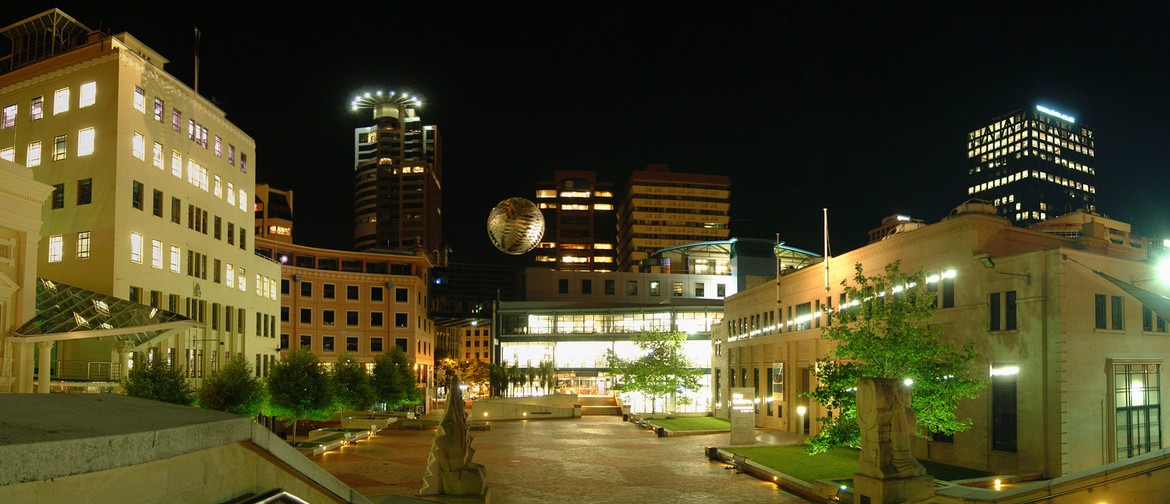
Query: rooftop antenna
x=828, y=252
x=196, y=61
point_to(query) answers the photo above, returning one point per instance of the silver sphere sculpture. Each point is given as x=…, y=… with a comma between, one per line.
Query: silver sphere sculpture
x=515, y=226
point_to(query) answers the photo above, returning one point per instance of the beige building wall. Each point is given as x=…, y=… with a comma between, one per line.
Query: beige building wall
x=475, y=343
x=335, y=302
x=1065, y=404
x=20, y=224
x=147, y=184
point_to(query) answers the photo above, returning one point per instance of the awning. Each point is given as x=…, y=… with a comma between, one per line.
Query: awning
x=65, y=312
x=1158, y=303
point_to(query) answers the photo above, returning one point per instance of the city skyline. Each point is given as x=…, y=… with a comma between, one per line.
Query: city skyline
x=862, y=111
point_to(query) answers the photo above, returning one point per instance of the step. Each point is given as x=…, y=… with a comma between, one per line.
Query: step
x=601, y=410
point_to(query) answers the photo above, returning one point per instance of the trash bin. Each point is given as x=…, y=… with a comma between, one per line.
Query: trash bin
x=662, y=432
x=713, y=453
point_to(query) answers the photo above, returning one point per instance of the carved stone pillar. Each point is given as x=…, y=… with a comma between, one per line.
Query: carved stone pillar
x=44, y=366
x=887, y=471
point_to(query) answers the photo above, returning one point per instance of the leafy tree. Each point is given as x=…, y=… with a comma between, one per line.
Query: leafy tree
x=516, y=377
x=885, y=332
x=393, y=379
x=156, y=380
x=354, y=391
x=497, y=379
x=300, y=387
x=547, y=375
x=662, y=371
x=233, y=388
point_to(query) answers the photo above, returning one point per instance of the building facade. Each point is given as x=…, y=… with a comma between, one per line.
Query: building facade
x=398, y=177
x=579, y=222
x=152, y=194
x=274, y=213
x=335, y=302
x=1033, y=164
x=475, y=344
x=1072, y=361
x=20, y=227
x=662, y=209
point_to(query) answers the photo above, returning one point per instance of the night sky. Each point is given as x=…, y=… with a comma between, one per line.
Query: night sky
x=863, y=110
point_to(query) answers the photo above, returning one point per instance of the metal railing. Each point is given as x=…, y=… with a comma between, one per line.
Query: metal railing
x=88, y=370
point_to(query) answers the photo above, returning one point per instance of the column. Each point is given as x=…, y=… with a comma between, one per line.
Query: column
x=44, y=364
x=124, y=358
x=24, y=368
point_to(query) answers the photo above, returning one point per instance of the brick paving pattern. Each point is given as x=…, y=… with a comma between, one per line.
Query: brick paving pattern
x=595, y=459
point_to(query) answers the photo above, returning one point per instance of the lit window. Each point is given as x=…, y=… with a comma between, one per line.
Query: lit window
x=156, y=254
x=603, y=259
x=574, y=207
x=60, y=101
x=575, y=194
x=158, y=156
x=218, y=147
x=89, y=95
x=176, y=259
x=85, y=142
x=56, y=248
x=176, y=164
x=33, y=158
x=136, y=248
x=217, y=189
x=231, y=195
x=37, y=110
x=83, y=245
x=231, y=154
x=602, y=206
x=603, y=246
x=546, y=193
x=230, y=279
x=243, y=200
x=139, y=99
x=158, y=110
x=241, y=280
x=8, y=117
x=8, y=154
x=603, y=194
x=139, y=146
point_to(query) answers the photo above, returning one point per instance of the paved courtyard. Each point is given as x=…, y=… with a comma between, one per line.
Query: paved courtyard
x=592, y=459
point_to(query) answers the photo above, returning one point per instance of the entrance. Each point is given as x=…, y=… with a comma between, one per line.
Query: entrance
x=584, y=383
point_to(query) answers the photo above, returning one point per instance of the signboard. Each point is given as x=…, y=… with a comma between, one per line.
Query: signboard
x=743, y=416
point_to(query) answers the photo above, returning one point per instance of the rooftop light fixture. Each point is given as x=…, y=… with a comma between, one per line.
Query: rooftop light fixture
x=989, y=263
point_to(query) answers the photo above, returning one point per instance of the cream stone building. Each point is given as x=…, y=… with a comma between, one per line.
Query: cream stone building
x=1072, y=360
x=152, y=196
x=21, y=199
x=360, y=303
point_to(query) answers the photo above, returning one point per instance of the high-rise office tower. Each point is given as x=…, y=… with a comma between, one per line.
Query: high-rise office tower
x=579, y=222
x=152, y=197
x=662, y=208
x=398, y=177
x=1033, y=164
x=274, y=213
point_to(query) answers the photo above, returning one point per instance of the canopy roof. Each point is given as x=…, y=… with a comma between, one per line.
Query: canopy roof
x=65, y=312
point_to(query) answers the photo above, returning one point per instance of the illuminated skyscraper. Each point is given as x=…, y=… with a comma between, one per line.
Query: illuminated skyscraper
x=398, y=177
x=579, y=222
x=1033, y=164
x=662, y=209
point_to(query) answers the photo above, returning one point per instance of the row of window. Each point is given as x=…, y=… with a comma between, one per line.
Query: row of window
x=197, y=174
x=329, y=318
x=85, y=142
x=632, y=286
x=61, y=102
x=225, y=273
x=196, y=132
x=352, y=292
x=196, y=216
x=1109, y=313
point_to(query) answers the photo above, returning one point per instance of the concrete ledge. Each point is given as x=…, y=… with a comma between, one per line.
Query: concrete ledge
x=788, y=483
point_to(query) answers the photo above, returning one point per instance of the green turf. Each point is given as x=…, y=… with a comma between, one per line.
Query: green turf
x=693, y=423
x=839, y=463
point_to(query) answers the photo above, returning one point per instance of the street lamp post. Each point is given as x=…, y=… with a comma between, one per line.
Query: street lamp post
x=801, y=410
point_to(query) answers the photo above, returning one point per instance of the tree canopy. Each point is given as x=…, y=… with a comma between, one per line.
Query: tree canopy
x=156, y=380
x=662, y=371
x=885, y=331
x=300, y=387
x=393, y=379
x=354, y=391
x=233, y=388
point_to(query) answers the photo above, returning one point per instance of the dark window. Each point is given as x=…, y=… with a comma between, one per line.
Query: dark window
x=610, y=287
x=948, y=292
x=284, y=342
x=327, y=343
x=306, y=315
x=219, y=227
x=1117, y=314
x=400, y=320
x=327, y=317
x=400, y=343
x=136, y=195
x=376, y=294
x=351, y=292
x=351, y=344
x=721, y=290
x=993, y=311
x=1009, y=310
x=1099, y=311
x=84, y=191
x=231, y=234
x=306, y=289
x=1003, y=410
x=375, y=319
x=586, y=286
x=351, y=318
x=157, y=203
x=401, y=295
x=329, y=291
x=284, y=286
x=631, y=287
x=59, y=196
x=306, y=342
x=284, y=314
x=375, y=345
x=176, y=210
x=563, y=285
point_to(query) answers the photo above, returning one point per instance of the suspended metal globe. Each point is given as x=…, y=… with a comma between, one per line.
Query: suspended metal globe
x=515, y=226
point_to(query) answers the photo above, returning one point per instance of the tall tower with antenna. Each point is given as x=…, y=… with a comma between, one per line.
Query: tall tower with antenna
x=398, y=176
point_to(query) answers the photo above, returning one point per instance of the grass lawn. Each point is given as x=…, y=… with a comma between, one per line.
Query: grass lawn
x=693, y=423
x=839, y=463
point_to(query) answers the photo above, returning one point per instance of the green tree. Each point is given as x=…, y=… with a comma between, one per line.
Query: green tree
x=300, y=387
x=393, y=379
x=885, y=331
x=548, y=375
x=233, y=388
x=662, y=371
x=497, y=379
x=354, y=391
x=156, y=380
x=515, y=377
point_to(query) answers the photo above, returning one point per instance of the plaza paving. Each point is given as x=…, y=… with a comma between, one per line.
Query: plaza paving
x=595, y=459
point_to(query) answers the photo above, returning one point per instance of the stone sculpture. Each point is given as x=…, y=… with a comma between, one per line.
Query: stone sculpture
x=887, y=470
x=450, y=471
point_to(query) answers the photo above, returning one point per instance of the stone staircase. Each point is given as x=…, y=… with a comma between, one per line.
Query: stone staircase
x=599, y=405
